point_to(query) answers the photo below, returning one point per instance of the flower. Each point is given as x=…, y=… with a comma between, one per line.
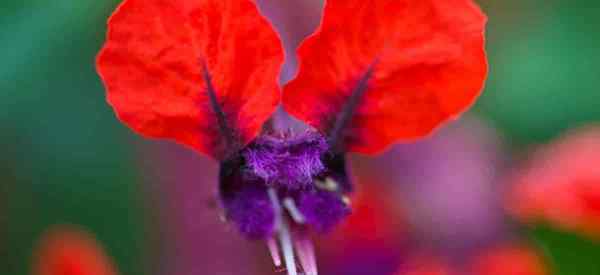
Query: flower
x=510, y=258
x=68, y=250
x=204, y=73
x=561, y=184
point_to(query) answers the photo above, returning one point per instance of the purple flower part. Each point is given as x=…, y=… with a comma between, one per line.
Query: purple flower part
x=286, y=162
x=322, y=210
x=250, y=209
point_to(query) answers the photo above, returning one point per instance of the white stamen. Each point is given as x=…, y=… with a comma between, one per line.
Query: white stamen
x=276, y=206
x=306, y=254
x=274, y=251
x=285, y=237
x=293, y=210
x=288, y=250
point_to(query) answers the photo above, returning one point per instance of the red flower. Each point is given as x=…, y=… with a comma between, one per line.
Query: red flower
x=505, y=259
x=67, y=250
x=376, y=216
x=205, y=74
x=561, y=185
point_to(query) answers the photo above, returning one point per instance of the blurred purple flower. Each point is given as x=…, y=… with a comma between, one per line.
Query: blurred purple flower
x=449, y=181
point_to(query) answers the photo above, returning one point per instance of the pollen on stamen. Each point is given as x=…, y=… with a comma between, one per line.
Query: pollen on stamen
x=328, y=184
x=346, y=200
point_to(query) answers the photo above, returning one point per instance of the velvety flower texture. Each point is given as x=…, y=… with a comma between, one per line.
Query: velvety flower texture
x=290, y=162
x=204, y=73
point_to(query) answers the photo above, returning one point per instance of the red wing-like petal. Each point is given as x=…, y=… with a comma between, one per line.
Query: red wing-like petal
x=380, y=71
x=200, y=72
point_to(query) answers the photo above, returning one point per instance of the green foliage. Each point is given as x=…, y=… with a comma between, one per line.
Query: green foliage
x=544, y=76
x=65, y=157
x=568, y=253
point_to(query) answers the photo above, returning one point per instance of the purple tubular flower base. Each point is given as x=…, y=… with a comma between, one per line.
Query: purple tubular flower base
x=279, y=188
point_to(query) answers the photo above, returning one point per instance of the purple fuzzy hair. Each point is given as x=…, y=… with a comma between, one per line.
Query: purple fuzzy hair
x=289, y=162
x=322, y=209
x=251, y=210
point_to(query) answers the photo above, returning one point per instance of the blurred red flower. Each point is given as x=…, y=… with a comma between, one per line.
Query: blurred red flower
x=68, y=250
x=376, y=216
x=504, y=259
x=509, y=259
x=561, y=184
x=372, y=239
x=425, y=264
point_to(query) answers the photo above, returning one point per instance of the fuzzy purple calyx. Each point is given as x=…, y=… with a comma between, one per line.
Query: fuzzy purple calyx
x=251, y=211
x=322, y=209
x=284, y=178
x=286, y=162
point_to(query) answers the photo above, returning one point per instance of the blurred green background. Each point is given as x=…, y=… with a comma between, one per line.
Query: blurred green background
x=66, y=159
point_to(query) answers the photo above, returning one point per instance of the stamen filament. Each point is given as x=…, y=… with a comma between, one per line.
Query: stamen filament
x=290, y=205
x=288, y=250
x=274, y=251
x=276, y=206
x=306, y=254
x=285, y=237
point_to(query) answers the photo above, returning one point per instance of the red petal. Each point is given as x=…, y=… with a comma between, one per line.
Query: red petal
x=428, y=65
x=66, y=250
x=152, y=67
